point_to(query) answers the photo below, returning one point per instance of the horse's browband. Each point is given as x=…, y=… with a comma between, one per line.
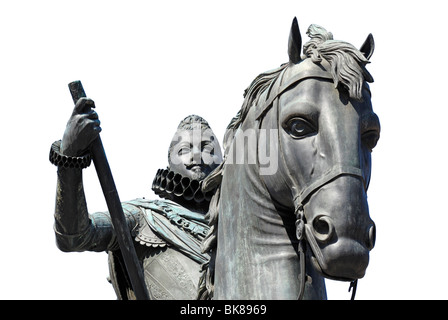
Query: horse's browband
x=307, y=74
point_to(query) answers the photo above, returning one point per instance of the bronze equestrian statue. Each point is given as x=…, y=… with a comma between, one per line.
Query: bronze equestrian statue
x=286, y=206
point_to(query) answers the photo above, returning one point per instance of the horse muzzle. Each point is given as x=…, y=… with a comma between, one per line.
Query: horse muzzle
x=338, y=228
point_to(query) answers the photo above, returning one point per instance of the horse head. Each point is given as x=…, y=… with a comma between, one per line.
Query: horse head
x=314, y=117
x=320, y=104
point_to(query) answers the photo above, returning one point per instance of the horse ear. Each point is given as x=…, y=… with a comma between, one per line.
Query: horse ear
x=368, y=47
x=294, y=43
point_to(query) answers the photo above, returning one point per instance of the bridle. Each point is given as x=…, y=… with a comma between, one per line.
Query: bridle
x=302, y=194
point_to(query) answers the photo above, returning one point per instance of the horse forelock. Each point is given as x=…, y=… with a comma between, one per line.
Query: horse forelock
x=347, y=63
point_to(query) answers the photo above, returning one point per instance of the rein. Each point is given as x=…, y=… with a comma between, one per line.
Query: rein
x=304, y=233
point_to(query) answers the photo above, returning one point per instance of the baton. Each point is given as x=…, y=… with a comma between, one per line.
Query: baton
x=125, y=242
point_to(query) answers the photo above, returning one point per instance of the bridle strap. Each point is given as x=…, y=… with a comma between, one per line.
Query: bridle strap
x=353, y=286
x=336, y=171
x=302, y=269
x=304, y=233
x=307, y=74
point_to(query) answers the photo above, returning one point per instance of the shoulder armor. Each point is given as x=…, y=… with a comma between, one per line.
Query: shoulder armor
x=146, y=236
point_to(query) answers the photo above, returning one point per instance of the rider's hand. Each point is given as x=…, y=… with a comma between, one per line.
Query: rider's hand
x=82, y=128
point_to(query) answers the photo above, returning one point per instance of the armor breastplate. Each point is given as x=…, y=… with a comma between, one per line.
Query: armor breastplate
x=171, y=275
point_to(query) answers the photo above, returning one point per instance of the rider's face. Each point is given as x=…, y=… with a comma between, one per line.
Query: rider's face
x=195, y=153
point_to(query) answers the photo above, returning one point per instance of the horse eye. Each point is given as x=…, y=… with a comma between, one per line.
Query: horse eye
x=370, y=139
x=299, y=128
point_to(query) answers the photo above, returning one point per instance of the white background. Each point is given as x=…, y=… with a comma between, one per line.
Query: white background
x=149, y=64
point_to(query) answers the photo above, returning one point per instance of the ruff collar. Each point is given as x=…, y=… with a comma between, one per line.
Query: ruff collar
x=175, y=187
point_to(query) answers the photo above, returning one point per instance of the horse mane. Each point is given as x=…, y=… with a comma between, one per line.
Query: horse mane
x=348, y=69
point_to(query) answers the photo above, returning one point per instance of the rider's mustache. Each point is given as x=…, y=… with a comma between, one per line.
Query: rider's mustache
x=189, y=166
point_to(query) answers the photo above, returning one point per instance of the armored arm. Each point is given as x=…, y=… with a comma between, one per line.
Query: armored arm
x=75, y=229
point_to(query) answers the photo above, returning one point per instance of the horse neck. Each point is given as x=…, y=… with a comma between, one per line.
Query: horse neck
x=243, y=189
x=253, y=238
x=242, y=172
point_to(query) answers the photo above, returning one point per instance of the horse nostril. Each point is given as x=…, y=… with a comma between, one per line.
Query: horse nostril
x=322, y=228
x=372, y=237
